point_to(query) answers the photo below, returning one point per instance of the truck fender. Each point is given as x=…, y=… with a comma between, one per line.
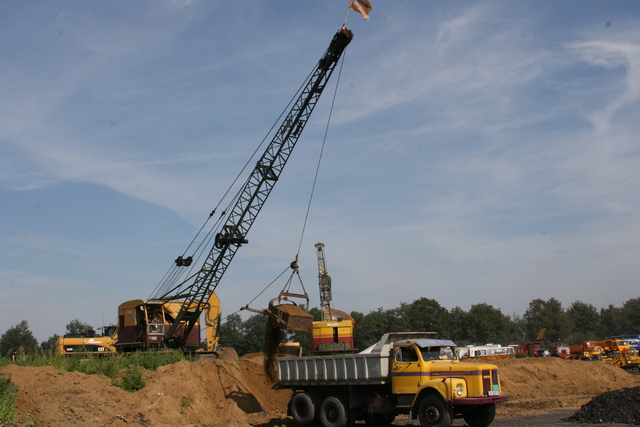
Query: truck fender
x=435, y=386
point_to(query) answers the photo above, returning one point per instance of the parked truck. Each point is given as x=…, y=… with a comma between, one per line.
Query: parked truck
x=404, y=373
x=616, y=347
x=560, y=349
x=588, y=350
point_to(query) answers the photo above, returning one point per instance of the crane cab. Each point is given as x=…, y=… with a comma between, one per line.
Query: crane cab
x=144, y=324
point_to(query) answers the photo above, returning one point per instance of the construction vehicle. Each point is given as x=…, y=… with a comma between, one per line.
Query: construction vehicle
x=178, y=306
x=588, y=350
x=88, y=344
x=334, y=333
x=404, y=373
x=615, y=347
x=628, y=362
x=633, y=340
x=560, y=349
x=533, y=348
x=618, y=352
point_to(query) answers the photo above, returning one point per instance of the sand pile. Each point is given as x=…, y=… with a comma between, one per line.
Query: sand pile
x=238, y=393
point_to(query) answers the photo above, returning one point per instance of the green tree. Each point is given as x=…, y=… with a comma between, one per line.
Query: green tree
x=50, y=343
x=254, y=330
x=486, y=324
x=370, y=327
x=422, y=315
x=631, y=317
x=586, y=321
x=457, y=330
x=76, y=327
x=244, y=336
x=548, y=315
x=18, y=337
x=230, y=331
x=611, y=321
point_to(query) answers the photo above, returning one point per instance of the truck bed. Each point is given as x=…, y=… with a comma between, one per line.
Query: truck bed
x=352, y=369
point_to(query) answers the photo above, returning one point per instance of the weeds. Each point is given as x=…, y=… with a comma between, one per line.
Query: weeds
x=186, y=404
x=131, y=380
x=8, y=393
x=108, y=366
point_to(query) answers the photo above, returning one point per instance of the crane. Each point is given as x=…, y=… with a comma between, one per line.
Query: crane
x=179, y=309
x=334, y=333
x=324, y=283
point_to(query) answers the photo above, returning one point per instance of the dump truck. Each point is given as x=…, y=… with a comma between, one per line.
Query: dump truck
x=404, y=373
x=588, y=350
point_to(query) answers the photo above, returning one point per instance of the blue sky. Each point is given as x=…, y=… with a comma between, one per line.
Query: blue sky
x=478, y=151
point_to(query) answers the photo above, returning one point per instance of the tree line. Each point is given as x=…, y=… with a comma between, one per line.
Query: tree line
x=481, y=324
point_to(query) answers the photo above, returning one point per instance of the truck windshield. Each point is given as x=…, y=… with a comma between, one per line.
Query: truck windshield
x=437, y=353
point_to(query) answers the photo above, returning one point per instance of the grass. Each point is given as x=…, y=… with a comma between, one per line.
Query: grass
x=125, y=372
x=8, y=393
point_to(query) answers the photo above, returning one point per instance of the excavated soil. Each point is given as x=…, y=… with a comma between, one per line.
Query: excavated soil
x=238, y=393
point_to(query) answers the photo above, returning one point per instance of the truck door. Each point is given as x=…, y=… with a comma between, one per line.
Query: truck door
x=406, y=371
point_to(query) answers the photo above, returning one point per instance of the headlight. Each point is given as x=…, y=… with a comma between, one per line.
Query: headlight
x=459, y=389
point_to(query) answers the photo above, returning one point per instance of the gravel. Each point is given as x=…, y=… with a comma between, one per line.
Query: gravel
x=620, y=406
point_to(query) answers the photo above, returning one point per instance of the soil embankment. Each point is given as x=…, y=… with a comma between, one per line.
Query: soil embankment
x=237, y=393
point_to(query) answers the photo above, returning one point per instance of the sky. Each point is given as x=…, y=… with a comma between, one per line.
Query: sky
x=471, y=152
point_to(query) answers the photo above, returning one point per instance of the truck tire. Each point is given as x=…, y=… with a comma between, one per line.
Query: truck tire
x=334, y=412
x=434, y=412
x=304, y=407
x=482, y=416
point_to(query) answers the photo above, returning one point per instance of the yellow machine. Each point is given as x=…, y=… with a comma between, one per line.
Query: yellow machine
x=144, y=324
x=100, y=345
x=334, y=333
x=616, y=347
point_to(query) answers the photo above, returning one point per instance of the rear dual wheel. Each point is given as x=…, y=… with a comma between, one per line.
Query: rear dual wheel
x=304, y=408
x=335, y=412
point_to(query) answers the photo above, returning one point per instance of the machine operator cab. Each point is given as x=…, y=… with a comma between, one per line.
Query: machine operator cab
x=412, y=360
x=425, y=350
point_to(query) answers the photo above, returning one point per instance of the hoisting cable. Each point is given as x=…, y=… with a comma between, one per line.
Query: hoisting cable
x=174, y=273
x=324, y=140
x=261, y=292
x=293, y=265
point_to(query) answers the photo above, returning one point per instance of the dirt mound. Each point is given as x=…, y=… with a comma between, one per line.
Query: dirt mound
x=220, y=392
x=551, y=383
x=237, y=393
x=620, y=406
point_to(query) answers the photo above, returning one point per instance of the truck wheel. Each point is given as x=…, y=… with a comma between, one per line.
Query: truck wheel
x=334, y=412
x=303, y=408
x=481, y=416
x=433, y=411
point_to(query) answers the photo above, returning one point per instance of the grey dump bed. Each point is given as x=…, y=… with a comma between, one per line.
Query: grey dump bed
x=366, y=368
